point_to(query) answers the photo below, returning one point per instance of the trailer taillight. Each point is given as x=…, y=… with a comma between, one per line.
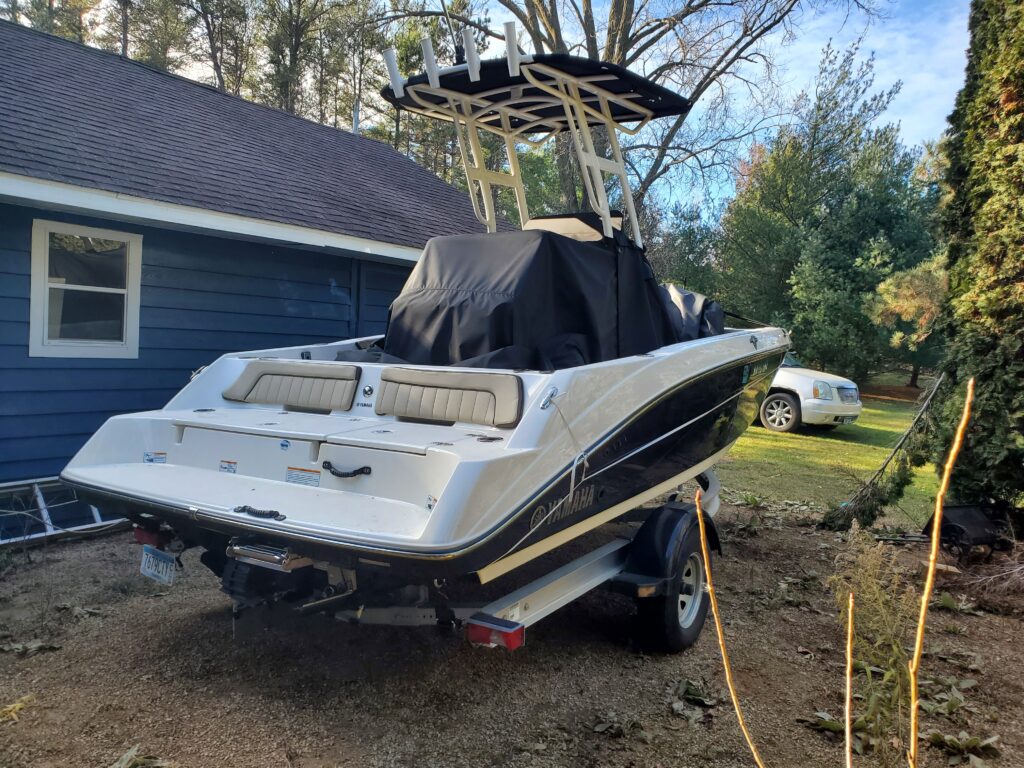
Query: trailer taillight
x=482, y=629
x=159, y=538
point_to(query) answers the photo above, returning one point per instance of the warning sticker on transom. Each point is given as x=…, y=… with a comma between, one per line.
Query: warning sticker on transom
x=302, y=476
x=229, y=465
x=154, y=457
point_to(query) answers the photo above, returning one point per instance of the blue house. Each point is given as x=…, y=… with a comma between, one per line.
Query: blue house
x=149, y=224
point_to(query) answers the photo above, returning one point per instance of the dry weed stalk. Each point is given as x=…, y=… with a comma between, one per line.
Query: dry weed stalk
x=915, y=662
x=887, y=611
x=929, y=581
x=848, y=711
x=721, y=635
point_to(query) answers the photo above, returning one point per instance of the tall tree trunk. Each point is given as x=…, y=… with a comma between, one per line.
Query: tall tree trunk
x=214, y=38
x=124, y=26
x=568, y=173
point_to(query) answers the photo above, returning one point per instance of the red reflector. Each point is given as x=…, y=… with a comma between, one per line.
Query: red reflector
x=493, y=632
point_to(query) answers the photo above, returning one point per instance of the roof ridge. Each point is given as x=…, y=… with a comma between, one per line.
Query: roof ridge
x=100, y=52
x=86, y=119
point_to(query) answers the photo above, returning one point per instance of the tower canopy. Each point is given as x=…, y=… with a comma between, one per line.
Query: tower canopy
x=528, y=100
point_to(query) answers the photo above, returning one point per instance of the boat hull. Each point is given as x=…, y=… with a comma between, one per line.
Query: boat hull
x=671, y=438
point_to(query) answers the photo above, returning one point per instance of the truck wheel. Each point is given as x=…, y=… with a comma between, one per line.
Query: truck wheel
x=780, y=412
x=672, y=622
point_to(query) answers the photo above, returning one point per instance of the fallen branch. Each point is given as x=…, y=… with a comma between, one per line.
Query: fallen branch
x=867, y=495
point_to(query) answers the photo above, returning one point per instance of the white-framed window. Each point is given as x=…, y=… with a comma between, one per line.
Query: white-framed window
x=85, y=291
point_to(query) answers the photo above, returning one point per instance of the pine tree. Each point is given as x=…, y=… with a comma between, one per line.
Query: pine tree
x=10, y=10
x=984, y=318
x=160, y=34
x=67, y=18
x=227, y=30
x=291, y=30
x=115, y=30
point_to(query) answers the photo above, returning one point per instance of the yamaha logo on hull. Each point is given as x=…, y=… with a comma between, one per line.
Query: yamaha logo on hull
x=582, y=498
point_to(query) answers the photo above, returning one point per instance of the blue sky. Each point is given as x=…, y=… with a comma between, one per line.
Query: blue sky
x=920, y=42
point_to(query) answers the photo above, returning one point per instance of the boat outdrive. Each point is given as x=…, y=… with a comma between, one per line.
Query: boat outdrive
x=531, y=387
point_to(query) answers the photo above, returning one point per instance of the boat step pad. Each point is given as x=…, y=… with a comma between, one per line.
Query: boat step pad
x=293, y=384
x=490, y=399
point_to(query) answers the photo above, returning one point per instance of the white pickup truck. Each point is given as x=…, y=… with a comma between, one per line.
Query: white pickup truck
x=801, y=395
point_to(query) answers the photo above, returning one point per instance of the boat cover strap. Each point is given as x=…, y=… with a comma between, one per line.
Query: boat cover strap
x=307, y=386
x=493, y=399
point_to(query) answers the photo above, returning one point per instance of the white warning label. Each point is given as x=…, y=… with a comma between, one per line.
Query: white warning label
x=302, y=476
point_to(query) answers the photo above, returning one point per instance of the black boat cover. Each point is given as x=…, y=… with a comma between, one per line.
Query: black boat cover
x=532, y=299
x=696, y=316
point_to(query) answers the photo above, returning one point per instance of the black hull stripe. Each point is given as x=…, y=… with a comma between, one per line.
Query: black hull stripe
x=628, y=456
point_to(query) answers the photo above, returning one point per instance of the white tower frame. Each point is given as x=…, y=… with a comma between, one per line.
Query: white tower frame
x=506, y=112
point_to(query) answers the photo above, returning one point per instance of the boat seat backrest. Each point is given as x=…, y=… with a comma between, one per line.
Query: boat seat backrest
x=490, y=399
x=305, y=386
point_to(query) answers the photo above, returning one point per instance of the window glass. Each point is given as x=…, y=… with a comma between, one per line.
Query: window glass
x=85, y=315
x=87, y=261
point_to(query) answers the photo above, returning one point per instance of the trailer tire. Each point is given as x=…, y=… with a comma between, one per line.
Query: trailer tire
x=672, y=622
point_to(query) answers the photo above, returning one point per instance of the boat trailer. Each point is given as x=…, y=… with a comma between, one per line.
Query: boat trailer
x=643, y=567
x=661, y=567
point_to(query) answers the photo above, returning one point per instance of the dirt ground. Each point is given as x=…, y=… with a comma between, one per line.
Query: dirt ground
x=139, y=664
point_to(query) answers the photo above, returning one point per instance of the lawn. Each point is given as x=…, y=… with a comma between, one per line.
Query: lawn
x=821, y=467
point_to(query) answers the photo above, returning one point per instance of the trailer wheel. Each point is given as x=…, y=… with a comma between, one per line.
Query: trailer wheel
x=672, y=622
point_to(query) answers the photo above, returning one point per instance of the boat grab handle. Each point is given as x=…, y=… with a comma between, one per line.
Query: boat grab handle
x=342, y=473
x=266, y=514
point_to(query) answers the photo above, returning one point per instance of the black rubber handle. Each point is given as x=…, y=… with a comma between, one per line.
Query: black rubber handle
x=267, y=514
x=342, y=473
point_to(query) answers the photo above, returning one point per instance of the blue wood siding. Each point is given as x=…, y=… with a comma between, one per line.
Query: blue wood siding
x=201, y=297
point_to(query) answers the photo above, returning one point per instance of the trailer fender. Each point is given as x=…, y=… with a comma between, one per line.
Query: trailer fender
x=652, y=557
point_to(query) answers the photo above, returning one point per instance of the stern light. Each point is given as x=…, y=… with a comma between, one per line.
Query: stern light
x=492, y=632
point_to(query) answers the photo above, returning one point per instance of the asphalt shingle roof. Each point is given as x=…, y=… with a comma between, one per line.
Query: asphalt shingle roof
x=74, y=114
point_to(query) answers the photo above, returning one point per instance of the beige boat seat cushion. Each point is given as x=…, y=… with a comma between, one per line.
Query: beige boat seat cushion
x=491, y=399
x=294, y=384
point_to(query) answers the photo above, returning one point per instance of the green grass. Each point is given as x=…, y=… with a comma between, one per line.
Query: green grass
x=898, y=378
x=818, y=466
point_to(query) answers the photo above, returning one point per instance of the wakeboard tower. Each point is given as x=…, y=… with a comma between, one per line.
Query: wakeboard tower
x=531, y=387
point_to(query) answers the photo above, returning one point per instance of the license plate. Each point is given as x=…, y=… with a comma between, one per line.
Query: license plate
x=157, y=565
x=849, y=419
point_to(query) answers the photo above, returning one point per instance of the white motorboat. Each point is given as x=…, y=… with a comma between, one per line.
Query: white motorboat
x=532, y=386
